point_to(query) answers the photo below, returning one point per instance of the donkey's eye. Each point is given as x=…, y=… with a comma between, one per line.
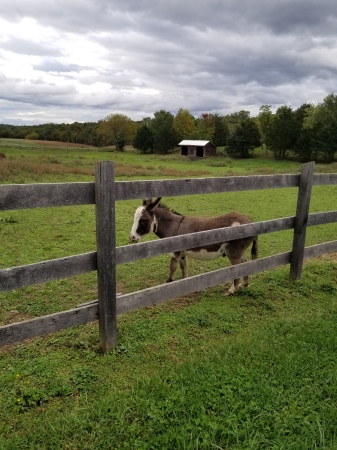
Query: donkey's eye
x=142, y=221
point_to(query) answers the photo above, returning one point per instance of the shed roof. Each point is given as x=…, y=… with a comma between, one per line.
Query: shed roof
x=195, y=142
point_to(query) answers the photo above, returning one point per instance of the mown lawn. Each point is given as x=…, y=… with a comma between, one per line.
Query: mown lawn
x=254, y=371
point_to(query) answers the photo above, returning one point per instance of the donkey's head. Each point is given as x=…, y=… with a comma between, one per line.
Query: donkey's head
x=145, y=220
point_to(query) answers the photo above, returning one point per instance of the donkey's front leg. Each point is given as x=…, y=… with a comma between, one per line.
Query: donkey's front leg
x=183, y=266
x=175, y=259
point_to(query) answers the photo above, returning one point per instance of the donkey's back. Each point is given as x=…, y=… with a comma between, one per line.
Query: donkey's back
x=211, y=223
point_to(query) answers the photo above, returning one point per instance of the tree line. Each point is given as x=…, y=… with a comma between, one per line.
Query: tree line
x=306, y=133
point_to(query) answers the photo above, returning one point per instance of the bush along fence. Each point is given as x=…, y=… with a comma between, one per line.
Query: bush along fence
x=103, y=193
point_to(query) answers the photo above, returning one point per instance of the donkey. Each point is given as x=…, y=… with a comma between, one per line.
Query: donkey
x=155, y=217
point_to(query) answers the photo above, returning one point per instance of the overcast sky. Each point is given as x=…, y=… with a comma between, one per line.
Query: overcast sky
x=80, y=60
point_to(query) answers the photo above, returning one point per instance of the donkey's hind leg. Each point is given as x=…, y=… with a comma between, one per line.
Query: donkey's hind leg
x=236, y=255
x=235, y=287
x=245, y=279
x=236, y=283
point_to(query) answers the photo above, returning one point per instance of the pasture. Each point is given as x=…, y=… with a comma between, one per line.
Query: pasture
x=257, y=370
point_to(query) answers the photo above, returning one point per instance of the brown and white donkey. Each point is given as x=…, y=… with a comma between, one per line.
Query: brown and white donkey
x=155, y=217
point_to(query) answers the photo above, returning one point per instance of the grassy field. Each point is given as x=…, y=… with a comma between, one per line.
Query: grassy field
x=254, y=371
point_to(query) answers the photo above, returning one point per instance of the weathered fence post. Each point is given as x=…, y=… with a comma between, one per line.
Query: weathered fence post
x=106, y=251
x=302, y=213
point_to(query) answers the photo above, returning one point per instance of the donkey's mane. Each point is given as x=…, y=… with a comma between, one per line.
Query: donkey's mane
x=161, y=205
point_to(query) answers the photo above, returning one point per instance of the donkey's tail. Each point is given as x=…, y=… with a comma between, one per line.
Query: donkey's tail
x=255, y=247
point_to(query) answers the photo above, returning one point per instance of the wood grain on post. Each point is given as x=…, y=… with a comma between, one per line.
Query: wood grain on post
x=301, y=220
x=106, y=251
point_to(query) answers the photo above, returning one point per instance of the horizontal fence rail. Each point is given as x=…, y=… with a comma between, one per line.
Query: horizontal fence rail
x=103, y=193
x=21, y=196
x=52, y=270
x=150, y=296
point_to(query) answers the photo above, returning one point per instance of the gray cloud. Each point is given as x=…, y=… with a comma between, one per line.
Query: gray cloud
x=26, y=47
x=54, y=65
x=93, y=58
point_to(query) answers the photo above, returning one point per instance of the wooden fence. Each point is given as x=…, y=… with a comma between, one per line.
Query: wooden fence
x=103, y=193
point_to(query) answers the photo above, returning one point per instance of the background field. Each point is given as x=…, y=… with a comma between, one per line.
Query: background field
x=257, y=370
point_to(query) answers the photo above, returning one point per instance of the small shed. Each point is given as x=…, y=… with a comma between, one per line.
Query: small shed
x=197, y=148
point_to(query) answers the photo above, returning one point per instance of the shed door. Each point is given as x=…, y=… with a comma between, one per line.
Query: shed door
x=199, y=152
x=184, y=150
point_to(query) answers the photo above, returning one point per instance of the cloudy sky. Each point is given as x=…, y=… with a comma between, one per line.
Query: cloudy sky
x=80, y=60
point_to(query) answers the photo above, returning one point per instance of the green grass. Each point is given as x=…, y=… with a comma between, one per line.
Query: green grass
x=254, y=371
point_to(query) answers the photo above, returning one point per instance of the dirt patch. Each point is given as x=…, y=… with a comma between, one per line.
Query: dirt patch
x=181, y=302
x=58, y=144
x=13, y=316
x=331, y=257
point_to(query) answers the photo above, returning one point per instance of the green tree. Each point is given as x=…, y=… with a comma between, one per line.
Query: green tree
x=117, y=129
x=144, y=139
x=235, y=119
x=302, y=112
x=164, y=134
x=33, y=135
x=184, y=124
x=263, y=119
x=305, y=147
x=282, y=132
x=322, y=121
x=221, y=131
x=245, y=138
x=205, y=127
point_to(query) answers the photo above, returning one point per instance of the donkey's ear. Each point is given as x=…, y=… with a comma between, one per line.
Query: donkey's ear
x=147, y=201
x=156, y=202
x=152, y=205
